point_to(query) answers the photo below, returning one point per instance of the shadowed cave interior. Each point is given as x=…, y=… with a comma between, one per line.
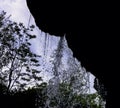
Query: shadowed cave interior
x=86, y=27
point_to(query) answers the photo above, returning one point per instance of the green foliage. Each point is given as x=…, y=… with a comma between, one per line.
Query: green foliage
x=41, y=95
x=19, y=68
x=18, y=64
x=65, y=97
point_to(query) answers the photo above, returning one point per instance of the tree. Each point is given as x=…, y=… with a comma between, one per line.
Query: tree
x=19, y=68
x=65, y=97
x=70, y=87
x=18, y=64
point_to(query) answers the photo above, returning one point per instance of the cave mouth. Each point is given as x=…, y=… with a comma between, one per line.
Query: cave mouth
x=83, y=26
x=88, y=30
x=59, y=17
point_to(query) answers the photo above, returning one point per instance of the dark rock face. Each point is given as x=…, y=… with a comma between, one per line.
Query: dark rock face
x=88, y=29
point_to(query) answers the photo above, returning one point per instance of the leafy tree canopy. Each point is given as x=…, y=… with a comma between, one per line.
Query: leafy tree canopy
x=18, y=64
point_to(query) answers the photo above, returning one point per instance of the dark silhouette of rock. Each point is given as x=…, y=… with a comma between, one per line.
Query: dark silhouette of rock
x=89, y=30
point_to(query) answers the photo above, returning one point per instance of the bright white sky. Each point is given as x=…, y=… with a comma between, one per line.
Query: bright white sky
x=20, y=13
x=17, y=8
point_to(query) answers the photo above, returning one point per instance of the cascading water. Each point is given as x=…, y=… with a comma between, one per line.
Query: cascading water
x=57, y=62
